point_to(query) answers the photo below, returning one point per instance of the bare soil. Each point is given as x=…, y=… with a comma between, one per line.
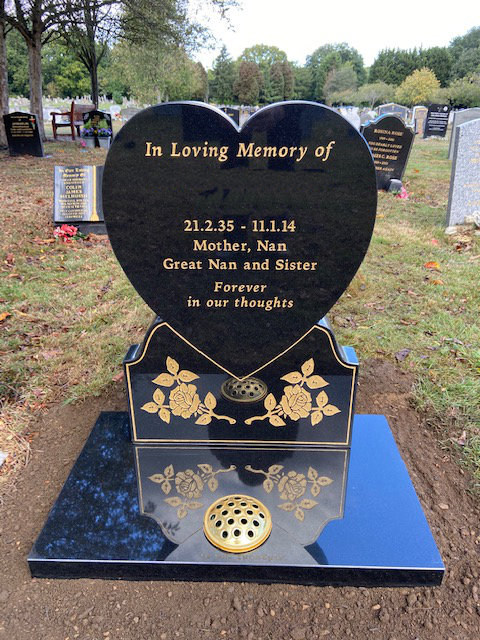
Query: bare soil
x=107, y=610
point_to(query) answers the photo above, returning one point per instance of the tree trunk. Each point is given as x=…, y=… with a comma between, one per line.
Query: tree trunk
x=94, y=84
x=3, y=79
x=34, y=45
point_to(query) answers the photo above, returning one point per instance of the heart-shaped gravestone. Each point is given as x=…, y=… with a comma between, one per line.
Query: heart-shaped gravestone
x=241, y=239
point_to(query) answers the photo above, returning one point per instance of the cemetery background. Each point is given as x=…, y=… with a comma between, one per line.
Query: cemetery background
x=412, y=314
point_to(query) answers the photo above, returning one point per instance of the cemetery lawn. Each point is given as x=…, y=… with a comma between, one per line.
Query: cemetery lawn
x=68, y=313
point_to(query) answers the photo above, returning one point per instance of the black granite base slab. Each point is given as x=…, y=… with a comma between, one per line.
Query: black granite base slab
x=95, y=528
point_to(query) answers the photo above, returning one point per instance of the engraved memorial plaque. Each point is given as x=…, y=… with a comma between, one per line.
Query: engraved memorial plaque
x=23, y=136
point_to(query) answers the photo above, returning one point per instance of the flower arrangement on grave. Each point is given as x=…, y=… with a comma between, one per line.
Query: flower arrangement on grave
x=67, y=233
x=101, y=132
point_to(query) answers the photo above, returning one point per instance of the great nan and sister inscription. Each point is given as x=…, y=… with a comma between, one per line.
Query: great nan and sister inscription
x=241, y=239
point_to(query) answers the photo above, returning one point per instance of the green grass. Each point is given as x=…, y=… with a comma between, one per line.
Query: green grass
x=74, y=314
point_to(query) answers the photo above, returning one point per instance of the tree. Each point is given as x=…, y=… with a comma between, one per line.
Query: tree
x=34, y=20
x=3, y=74
x=332, y=56
x=264, y=56
x=302, y=83
x=340, y=80
x=439, y=60
x=277, y=82
x=248, y=83
x=223, y=77
x=394, y=65
x=465, y=52
x=465, y=92
x=17, y=69
x=64, y=76
x=374, y=94
x=418, y=88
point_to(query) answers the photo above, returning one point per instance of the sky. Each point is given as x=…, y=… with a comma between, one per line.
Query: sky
x=298, y=27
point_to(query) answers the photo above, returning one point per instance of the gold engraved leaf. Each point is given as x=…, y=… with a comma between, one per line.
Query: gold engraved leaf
x=275, y=468
x=187, y=376
x=172, y=366
x=157, y=477
x=316, y=382
x=182, y=512
x=194, y=505
x=315, y=490
x=174, y=501
x=324, y=481
x=213, y=484
x=164, y=380
x=312, y=473
x=317, y=416
x=210, y=401
x=293, y=378
x=206, y=468
x=150, y=407
x=306, y=503
x=169, y=471
x=204, y=419
x=286, y=506
x=276, y=421
x=322, y=400
x=331, y=410
x=164, y=415
x=166, y=487
x=308, y=367
x=158, y=396
x=270, y=402
x=299, y=514
x=268, y=485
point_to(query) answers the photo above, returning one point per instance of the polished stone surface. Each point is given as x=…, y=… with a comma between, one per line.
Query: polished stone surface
x=77, y=194
x=391, y=142
x=96, y=528
x=437, y=120
x=23, y=136
x=97, y=125
x=310, y=393
x=241, y=239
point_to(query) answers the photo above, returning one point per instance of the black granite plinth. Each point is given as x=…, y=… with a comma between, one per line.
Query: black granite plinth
x=379, y=536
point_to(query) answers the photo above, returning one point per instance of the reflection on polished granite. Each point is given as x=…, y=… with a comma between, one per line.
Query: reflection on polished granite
x=96, y=528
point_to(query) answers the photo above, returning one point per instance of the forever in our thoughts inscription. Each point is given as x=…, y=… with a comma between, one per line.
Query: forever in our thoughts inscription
x=390, y=141
x=241, y=239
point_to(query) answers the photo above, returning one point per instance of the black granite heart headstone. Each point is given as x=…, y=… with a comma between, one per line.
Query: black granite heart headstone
x=241, y=239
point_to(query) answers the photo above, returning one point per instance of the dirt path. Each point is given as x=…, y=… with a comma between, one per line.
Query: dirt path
x=108, y=610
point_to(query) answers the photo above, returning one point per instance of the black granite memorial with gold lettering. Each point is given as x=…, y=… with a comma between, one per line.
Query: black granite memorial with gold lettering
x=241, y=451
x=391, y=142
x=23, y=136
x=77, y=197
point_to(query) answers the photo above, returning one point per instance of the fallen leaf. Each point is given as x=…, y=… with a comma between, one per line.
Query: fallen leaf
x=438, y=282
x=4, y=316
x=462, y=440
x=402, y=354
x=434, y=241
x=443, y=506
x=118, y=377
x=432, y=265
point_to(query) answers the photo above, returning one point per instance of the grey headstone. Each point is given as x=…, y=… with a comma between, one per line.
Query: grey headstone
x=459, y=118
x=393, y=108
x=464, y=196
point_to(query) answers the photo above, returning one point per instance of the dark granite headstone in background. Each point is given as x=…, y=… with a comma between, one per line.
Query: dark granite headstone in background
x=437, y=121
x=23, y=136
x=248, y=244
x=78, y=197
x=390, y=141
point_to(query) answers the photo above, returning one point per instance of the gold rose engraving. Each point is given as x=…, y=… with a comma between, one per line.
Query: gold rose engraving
x=189, y=484
x=292, y=487
x=183, y=399
x=296, y=401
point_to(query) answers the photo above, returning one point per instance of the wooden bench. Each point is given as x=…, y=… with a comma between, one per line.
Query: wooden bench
x=72, y=119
